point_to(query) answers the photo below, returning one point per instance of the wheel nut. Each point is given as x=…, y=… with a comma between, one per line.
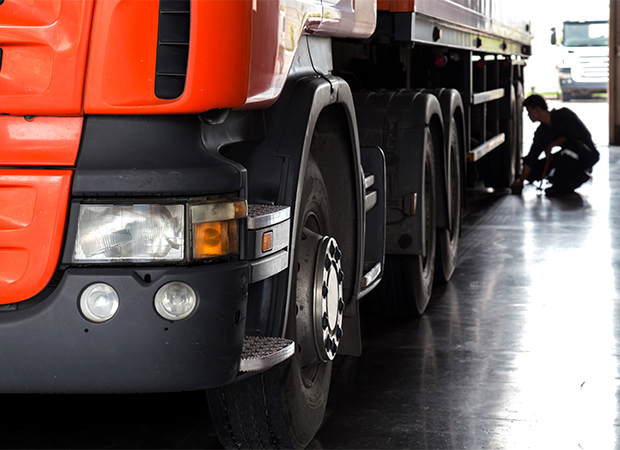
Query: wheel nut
x=329, y=344
x=340, y=306
x=325, y=321
x=338, y=333
x=328, y=263
x=340, y=276
x=325, y=290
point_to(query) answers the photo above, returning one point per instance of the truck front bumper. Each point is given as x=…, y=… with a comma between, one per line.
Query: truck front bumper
x=50, y=347
x=569, y=85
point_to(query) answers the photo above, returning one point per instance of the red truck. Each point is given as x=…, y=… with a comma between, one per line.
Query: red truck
x=196, y=194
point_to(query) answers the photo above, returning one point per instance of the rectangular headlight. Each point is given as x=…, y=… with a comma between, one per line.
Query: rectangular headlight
x=564, y=73
x=130, y=233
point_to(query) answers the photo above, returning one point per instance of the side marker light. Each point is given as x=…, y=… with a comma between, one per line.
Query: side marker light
x=267, y=241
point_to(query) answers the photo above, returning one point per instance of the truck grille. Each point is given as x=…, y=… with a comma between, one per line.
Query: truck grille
x=593, y=67
x=172, y=48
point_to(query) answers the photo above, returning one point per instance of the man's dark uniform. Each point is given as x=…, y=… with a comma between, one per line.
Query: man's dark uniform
x=571, y=166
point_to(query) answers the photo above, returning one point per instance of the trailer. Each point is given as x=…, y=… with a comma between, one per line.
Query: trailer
x=199, y=194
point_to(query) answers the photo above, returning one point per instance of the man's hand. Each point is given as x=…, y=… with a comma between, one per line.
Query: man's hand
x=517, y=186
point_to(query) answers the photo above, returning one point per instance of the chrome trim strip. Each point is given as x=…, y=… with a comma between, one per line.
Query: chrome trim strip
x=486, y=147
x=268, y=266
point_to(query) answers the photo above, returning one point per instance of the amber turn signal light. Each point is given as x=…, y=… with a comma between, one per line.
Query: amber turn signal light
x=212, y=239
x=216, y=227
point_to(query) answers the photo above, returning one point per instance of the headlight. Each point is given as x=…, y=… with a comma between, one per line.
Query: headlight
x=564, y=73
x=130, y=233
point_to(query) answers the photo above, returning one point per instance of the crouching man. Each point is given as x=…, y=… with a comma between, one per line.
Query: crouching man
x=568, y=168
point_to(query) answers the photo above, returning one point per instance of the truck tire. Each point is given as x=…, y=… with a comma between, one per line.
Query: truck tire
x=408, y=279
x=566, y=96
x=284, y=406
x=448, y=238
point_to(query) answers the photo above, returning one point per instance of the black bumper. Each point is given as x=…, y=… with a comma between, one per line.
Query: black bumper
x=51, y=348
x=575, y=86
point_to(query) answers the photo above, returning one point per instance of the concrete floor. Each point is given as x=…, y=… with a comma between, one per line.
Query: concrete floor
x=520, y=350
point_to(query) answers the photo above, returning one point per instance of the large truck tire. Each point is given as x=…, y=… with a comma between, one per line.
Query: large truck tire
x=409, y=126
x=284, y=406
x=448, y=238
x=408, y=279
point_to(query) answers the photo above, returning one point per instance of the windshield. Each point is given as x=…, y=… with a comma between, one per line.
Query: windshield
x=586, y=34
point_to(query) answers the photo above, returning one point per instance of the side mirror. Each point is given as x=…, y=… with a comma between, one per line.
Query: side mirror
x=554, y=38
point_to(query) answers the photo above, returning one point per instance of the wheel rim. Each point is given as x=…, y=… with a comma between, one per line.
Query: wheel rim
x=320, y=302
x=328, y=300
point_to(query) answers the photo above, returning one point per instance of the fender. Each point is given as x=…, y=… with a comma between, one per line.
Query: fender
x=309, y=99
x=275, y=164
x=397, y=122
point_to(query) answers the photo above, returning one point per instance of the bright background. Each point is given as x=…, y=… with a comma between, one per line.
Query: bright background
x=541, y=74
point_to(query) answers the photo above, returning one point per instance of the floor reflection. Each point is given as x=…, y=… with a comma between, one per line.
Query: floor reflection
x=565, y=367
x=519, y=350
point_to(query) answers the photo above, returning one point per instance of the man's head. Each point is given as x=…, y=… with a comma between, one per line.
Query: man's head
x=537, y=108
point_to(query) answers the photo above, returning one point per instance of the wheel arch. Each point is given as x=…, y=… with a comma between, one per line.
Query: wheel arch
x=397, y=122
x=319, y=118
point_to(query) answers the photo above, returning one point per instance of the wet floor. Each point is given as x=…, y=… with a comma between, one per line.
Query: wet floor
x=520, y=350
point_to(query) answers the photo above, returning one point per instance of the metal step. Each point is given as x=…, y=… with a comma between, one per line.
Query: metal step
x=260, y=216
x=371, y=196
x=372, y=270
x=262, y=353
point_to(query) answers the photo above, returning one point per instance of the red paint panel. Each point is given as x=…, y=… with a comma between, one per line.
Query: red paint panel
x=33, y=209
x=396, y=5
x=44, y=46
x=30, y=14
x=41, y=141
x=123, y=53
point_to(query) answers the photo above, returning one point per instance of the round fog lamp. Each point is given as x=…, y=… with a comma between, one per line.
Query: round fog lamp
x=175, y=301
x=99, y=302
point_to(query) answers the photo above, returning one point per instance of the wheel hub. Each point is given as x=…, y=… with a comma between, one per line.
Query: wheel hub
x=319, y=297
x=329, y=304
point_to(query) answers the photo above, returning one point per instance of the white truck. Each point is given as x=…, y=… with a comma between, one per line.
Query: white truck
x=583, y=59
